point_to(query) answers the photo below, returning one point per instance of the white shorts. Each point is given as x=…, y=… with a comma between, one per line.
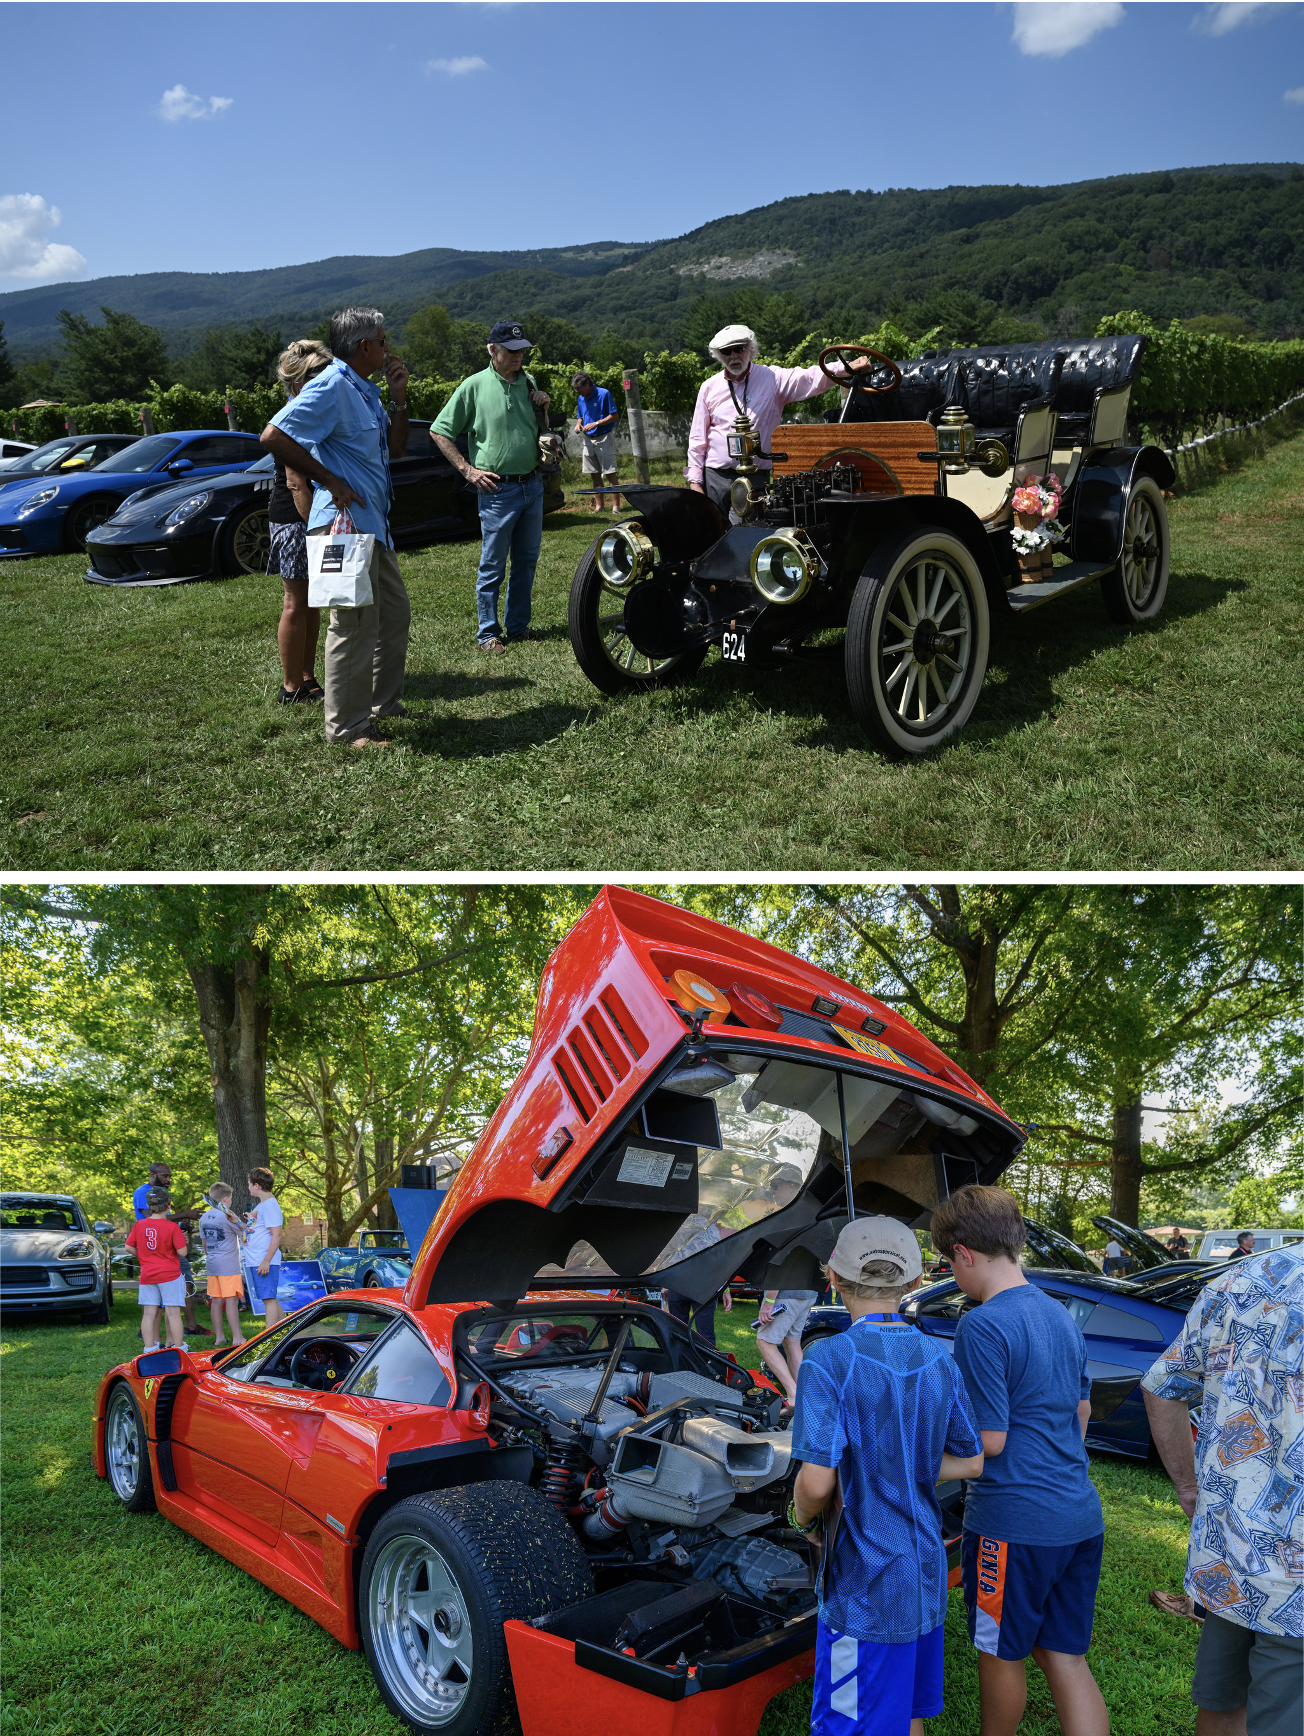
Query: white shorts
x=600, y=455
x=169, y=1295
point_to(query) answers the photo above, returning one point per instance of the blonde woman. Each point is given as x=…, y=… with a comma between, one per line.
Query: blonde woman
x=287, y=514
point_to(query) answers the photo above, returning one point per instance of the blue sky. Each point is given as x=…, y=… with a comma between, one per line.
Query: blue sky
x=201, y=137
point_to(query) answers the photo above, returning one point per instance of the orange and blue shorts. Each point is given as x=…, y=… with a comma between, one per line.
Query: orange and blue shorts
x=1021, y=1595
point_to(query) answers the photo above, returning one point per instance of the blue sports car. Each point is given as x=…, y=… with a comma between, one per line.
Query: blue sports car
x=1127, y=1322
x=54, y=515
x=380, y=1261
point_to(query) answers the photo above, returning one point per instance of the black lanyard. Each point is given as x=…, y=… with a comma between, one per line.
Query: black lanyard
x=885, y=1319
x=747, y=380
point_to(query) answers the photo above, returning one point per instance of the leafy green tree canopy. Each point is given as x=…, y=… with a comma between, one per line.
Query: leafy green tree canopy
x=115, y=360
x=241, y=356
x=437, y=347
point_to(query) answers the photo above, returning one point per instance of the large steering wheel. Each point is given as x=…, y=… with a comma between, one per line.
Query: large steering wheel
x=322, y=1363
x=883, y=376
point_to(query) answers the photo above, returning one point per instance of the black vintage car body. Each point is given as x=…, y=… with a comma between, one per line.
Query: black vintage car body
x=892, y=521
x=228, y=534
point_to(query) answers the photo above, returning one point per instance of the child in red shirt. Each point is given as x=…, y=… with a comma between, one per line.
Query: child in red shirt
x=159, y=1245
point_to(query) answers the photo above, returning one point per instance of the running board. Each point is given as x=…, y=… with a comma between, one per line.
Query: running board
x=1024, y=597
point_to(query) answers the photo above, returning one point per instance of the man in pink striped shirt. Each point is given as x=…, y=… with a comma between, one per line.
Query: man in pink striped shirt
x=742, y=387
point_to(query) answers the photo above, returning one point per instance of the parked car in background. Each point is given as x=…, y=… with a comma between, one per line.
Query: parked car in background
x=55, y=514
x=1221, y=1244
x=380, y=1261
x=69, y=455
x=52, y=1259
x=172, y=532
x=14, y=451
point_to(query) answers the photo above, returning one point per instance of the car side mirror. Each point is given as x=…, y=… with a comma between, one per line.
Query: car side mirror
x=163, y=1362
x=101, y=1228
x=179, y=466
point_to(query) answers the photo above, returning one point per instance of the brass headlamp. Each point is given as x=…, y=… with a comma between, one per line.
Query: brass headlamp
x=785, y=565
x=625, y=553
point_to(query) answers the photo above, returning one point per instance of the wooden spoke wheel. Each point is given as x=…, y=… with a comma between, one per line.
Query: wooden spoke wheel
x=602, y=646
x=1135, y=589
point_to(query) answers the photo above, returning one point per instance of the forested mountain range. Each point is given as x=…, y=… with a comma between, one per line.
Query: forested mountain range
x=1227, y=239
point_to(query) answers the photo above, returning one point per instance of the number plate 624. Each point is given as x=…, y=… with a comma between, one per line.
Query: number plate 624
x=733, y=647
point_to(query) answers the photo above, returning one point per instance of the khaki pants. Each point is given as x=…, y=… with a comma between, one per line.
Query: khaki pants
x=366, y=653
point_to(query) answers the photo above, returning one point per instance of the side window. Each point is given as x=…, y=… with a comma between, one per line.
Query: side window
x=950, y=1305
x=1080, y=1310
x=222, y=449
x=402, y=1368
x=246, y=1364
x=1110, y=1322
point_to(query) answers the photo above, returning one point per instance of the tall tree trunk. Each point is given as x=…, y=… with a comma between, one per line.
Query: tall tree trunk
x=386, y=1216
x=332, y=1180
x=361, y=1180
x=235, y=1017
x=1125, y=1169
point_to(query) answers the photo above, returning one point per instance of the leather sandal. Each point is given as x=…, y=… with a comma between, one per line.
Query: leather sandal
x=1176, y=1603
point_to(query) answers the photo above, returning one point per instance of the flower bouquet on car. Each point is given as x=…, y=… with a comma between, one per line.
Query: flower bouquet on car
x=1036, y=506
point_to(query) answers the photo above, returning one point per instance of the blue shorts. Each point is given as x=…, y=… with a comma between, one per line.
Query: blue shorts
x=264, y=1286
x=863, y=1688
x=1021, y=1595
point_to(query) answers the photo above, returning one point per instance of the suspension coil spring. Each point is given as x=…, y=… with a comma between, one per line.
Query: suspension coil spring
x=564, y=1464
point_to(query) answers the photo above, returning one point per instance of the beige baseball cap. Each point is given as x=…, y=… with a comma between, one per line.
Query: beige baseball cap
x=869, y=1239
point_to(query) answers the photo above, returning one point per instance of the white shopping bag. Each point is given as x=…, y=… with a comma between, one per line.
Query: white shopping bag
x=339, y=567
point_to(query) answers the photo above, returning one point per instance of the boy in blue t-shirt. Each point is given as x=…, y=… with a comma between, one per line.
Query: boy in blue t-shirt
x=1033, y=1528
x=881, y=1416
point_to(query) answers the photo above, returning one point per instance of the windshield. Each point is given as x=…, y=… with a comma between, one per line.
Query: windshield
x=1048, y=1247
x=144, y=455
x=45, y=456
x=40, y=1214
x=732, y=1142
x=265, y=466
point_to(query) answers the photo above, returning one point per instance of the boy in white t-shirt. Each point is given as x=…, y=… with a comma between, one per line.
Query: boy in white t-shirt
x=263, y=1244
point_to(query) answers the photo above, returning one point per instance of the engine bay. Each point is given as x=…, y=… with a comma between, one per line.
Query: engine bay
x=668, y=1462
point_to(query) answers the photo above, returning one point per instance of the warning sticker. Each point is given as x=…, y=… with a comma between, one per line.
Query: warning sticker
x=682, y=1171
x=644, y=1168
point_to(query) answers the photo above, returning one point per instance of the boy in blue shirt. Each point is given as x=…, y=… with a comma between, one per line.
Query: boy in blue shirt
x=881, y=1415
x=1033, y=1528
x=595, y=420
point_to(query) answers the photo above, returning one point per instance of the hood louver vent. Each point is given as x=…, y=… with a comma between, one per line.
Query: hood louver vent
x=598, y=1053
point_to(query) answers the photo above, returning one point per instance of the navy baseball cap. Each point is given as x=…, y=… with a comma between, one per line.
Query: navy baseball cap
x=508, y=335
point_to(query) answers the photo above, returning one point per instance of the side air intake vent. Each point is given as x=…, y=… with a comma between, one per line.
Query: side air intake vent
x=598, y=1053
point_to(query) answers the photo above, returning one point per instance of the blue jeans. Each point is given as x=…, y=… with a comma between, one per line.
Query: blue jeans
x=511, y=522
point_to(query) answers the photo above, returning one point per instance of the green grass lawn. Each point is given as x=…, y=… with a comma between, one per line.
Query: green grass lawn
x=142, y=733
x=122, y=1626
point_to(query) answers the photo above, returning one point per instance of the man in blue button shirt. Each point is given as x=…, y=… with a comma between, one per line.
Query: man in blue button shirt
x=337, y=433
x=881, y=1416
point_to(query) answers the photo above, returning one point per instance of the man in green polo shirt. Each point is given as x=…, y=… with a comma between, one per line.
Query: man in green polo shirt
x=495, y=410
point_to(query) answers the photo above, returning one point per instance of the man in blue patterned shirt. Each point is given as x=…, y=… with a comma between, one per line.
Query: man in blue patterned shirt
x=881, y=1416
x=1239, y=1359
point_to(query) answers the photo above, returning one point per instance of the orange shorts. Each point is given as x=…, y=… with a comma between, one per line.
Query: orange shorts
x=219, y=1287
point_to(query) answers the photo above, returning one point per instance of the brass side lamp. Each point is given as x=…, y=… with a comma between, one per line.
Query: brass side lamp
x=959, y=449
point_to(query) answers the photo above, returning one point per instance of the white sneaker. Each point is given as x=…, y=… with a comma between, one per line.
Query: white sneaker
x=148, y=1349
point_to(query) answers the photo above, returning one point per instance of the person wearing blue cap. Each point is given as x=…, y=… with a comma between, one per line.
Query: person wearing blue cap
x=495, y=409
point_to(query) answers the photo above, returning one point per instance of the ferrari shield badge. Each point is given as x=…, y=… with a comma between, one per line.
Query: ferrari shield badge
x=150, y=1384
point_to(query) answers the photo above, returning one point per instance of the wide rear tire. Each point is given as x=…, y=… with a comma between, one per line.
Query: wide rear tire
x=917, y=641
x=245, y=545
x=598, y=639
x=1134, y=591
x=126, y=1452
x=441, y=1574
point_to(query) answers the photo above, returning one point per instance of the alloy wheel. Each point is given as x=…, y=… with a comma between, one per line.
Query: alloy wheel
x=421, y=1630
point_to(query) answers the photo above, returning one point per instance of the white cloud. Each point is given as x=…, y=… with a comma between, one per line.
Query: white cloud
x=459, y=66
x=1296, y=96
x=24, y=250
x=1053, y=27
x=1218, y=20
x=179, y=104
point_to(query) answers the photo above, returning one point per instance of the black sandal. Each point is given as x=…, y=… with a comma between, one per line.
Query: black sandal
x=313, y=688
x=300, y=696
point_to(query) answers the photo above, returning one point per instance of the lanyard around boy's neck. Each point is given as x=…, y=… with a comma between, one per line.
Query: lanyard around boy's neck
x=886, y=1319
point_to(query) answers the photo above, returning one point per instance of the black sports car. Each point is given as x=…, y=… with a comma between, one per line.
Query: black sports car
x=216, y=526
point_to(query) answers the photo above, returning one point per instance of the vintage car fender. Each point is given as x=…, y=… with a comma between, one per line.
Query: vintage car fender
x=859, y=530
x=1100, y=492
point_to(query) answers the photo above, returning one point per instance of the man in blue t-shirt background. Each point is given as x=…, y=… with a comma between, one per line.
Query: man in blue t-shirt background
x=160, y=1175
x=881, y=1415
x=595, y=421
x=1033, y=1527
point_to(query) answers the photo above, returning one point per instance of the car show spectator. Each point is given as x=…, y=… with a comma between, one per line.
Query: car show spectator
x=1034, y=1530
x=338, y=433
x=595, y=422
x=1237, y=1360
x=699, y=1317
x=263, y=1243
x=158, y=1244
x=743, y=387
x=220, y=1229
x=881, y=1416
x=495, y=409
x=289, y=507
x=1244, y=1246
x=1177, y=1245
x=160, y=1176
x=1115, y=1263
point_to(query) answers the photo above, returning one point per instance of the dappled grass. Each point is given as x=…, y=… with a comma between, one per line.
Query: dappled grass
x=143, y=734
x=122, y=1626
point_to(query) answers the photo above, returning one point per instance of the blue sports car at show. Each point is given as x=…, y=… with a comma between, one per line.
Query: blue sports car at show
x=54, y=515
x=1128, y=1323
x=380, y=1261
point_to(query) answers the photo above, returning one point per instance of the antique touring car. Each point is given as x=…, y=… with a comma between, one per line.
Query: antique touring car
x=895, y=523
x=522, y=1495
